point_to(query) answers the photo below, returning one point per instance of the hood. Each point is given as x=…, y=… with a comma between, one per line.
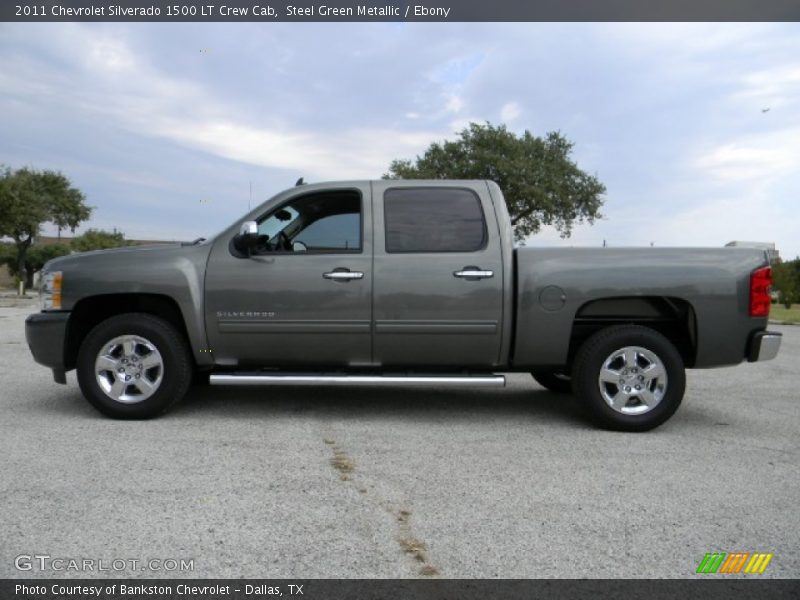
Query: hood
x=77, y=259
x=172, y=270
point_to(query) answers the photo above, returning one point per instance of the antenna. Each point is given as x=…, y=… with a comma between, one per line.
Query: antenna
x=250, y=201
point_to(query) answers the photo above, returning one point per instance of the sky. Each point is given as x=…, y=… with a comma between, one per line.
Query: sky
x=166, y=127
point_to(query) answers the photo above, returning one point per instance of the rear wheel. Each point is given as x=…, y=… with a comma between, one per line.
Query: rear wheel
x=134, y=366
x=630, y=378
x=554, y=380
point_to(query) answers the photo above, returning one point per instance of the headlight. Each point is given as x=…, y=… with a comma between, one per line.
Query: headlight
x=51, y=290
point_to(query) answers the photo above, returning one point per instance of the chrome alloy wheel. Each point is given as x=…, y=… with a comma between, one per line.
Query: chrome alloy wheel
x=633, y=380
x=129, y=369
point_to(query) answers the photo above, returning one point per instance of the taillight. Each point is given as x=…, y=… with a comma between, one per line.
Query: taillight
x=760, y=286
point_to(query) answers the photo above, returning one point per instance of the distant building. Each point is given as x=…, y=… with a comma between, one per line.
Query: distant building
x=7, y=281
x=768, y=247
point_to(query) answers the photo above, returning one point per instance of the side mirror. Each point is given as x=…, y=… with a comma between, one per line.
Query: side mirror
x=248, y=228
x=247, y=237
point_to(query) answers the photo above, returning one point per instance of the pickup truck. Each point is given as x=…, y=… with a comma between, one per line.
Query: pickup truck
x=398, y=283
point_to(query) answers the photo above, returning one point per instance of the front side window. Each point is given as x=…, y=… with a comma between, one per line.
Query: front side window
x=322, y=222
x=277, y=222
x=433, y=220
x=337, y=232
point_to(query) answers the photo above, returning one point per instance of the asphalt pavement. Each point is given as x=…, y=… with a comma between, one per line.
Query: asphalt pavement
x=361, y=482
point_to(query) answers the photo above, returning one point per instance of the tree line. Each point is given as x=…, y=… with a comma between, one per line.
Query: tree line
x=38, y=254
x=786, y=281
x=29, y=198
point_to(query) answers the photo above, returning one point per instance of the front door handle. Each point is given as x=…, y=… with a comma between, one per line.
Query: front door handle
x=473, y=273
x=343, y=275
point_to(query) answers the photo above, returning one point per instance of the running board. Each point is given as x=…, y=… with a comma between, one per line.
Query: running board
x=489, y=380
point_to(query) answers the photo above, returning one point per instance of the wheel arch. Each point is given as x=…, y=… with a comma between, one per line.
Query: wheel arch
x=671, y=316
x=91, y=311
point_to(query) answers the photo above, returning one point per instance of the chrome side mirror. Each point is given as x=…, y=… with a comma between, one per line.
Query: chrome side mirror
x=247, y=237
x=248, y=228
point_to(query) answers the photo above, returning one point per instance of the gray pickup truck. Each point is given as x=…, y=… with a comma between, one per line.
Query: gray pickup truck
x=398, y=282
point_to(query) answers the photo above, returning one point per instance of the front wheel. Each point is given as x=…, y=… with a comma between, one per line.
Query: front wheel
x=134, y=366
x=629, y=378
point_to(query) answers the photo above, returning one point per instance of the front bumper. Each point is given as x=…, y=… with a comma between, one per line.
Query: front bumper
x=764, y=346
x=46, y=333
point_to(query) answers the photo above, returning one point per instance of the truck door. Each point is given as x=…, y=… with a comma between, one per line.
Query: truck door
x=304, y=297
x=438, y=290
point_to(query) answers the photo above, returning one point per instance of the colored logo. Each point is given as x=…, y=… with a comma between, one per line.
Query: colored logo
x=734, y=562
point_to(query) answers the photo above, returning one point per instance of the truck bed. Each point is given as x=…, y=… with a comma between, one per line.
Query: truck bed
x=560, y=288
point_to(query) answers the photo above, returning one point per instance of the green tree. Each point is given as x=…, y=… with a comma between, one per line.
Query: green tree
x=786, y=281
x=7, y=255
x=35, y=258
x=541, y=182
x=97, y=239
x=29, y=198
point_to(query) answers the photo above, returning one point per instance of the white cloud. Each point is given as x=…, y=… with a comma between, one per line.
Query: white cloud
x=775, y=87
x=457, y=125
x=683, y=39
x=510, y=111
x=759, y=158
x=760, y=217
x=454, y=103
x=321, y=156
x=110, y=54
x=144, y=100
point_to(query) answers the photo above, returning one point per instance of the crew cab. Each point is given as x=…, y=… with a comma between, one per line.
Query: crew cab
x=399, y=282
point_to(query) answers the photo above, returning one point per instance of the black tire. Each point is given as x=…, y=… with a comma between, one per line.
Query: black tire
x=555, y=381
x=176, y=370
x=587, y=372
x=201, y=378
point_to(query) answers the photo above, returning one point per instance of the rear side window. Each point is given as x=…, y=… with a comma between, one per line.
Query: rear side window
x=433, y=220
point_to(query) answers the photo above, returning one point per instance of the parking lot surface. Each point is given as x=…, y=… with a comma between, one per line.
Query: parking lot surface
x=360, y=482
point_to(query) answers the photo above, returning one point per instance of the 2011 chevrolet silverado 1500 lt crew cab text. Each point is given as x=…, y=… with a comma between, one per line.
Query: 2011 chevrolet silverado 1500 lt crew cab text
x=410, y=282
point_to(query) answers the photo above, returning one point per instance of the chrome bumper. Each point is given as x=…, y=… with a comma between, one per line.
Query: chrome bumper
x=764, y=346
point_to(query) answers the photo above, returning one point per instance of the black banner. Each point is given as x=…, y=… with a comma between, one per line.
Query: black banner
x=434, y=589
x=391, y=10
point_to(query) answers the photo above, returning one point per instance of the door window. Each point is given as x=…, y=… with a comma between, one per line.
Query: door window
x=337, y=232
x=277, y=221
x=433, y=220
x=329, y=222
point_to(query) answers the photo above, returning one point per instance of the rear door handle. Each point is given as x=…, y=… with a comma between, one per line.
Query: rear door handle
x=473, y=273
x=343, y=275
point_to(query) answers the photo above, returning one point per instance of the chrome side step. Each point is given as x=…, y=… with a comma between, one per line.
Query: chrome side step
x=487, y=380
